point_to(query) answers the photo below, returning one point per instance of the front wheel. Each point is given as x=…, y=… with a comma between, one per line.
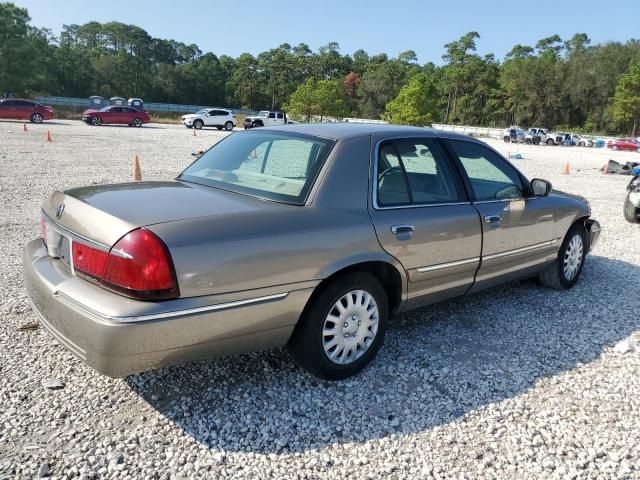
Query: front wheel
x=506, y=139
x=228, y=126
x=197, y=124
x=550, y=141
x=36, y=118
x=564, y=272
x=343, y=327
x=614, y=148
x=96, y=121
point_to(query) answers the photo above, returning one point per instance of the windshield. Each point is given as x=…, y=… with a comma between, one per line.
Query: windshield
x=263, y=113
x=204, y=111
x=273, y=165
x=105, y=109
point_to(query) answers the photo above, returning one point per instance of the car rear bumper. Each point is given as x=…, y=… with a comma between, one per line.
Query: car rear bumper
x=119, y=336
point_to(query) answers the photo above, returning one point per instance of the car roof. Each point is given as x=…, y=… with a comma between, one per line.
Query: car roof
x=342, y=130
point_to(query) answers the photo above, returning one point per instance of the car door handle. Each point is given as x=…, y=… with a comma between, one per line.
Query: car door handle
x=492, y=218
x=402, y=229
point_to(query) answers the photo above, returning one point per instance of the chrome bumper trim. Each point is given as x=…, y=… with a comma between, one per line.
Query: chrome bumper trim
x=67, y=300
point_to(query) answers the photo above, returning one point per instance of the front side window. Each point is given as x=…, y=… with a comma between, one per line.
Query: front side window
x=272, y=115
x=491, y=177
x=271, y=165
x=414, y=172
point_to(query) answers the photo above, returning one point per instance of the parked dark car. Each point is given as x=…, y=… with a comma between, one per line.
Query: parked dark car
x=310, y=236
x=628, y=144
x=115, y=114
x=19, y=109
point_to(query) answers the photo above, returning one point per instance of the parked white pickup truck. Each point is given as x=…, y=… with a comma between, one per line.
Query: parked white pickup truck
x=265, y=118
x=538, y=135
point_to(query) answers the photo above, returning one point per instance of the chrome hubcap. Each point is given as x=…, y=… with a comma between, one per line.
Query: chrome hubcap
x=573, y=257
x=350, y=327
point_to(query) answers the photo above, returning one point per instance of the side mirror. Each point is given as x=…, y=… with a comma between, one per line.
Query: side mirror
x=540, y=188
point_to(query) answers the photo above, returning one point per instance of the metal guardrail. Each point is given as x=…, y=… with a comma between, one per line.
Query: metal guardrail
x=149, y=107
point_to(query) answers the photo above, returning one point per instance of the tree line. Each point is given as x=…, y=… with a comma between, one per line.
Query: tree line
x=555, y=83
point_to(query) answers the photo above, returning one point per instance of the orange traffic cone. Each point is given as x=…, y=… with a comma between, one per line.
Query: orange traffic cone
x=49, y=139
x=194, y=132
x=567, y=169
x=137, y=174
x=24, y=126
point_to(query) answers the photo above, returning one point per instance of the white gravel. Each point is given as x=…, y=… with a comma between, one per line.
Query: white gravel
x=518, y=382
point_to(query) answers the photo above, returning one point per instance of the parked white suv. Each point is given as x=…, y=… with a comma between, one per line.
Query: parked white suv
x=210, y=117
x=265, y=118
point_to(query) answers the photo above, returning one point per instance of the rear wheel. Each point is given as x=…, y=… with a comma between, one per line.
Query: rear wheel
x=550, y=141
x=36, y=118
x=506, y=139
x=197, y=124
x=97, y=121
x=536, y=140
x=137, y=122
x=342, y=328
x=565, y=271
x=228, y=126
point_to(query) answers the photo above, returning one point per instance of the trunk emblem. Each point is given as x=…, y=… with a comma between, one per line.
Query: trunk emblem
x=59, y=210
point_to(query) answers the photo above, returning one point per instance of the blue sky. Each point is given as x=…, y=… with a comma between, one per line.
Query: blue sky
x=237, y=26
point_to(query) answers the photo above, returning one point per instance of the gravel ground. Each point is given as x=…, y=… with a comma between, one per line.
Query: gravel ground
x=518, y=382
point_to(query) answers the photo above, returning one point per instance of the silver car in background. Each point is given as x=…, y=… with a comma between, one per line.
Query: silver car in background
x=310, y=236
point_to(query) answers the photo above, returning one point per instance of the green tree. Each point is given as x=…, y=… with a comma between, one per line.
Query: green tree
x=627, y=99
x=319, y=98
x=414, y=105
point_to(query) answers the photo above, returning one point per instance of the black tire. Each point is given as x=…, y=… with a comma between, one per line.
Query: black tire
x=581, y=144
x=219, y=127
x=554, y=276
x=506, y=139
x=258, y=124
x=198, y=124
x=550, y=141
x=306, y=343
x=631, y=213
x=96, y=121
x=528, y=141
x=228, y=126
x=36, y=118
x=137, y=122
x=614, y=148
x=536, y=140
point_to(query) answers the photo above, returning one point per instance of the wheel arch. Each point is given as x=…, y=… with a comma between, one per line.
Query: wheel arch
x=386, y=270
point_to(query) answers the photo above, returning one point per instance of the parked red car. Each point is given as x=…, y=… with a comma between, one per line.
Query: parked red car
x=19, y=109
x=624, y=144
x=116, y=114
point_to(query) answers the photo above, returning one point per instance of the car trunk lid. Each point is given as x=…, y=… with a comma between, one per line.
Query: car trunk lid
x=104, y=213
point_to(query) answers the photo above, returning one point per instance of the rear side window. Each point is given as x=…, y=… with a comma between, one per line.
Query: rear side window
x=491, y=177
x=414, y=172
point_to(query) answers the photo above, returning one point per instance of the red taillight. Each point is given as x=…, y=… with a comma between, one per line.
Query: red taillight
x=138, y=265
x=89, y=260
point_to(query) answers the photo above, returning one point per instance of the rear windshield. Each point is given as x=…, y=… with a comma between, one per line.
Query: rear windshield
x=273, y=165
